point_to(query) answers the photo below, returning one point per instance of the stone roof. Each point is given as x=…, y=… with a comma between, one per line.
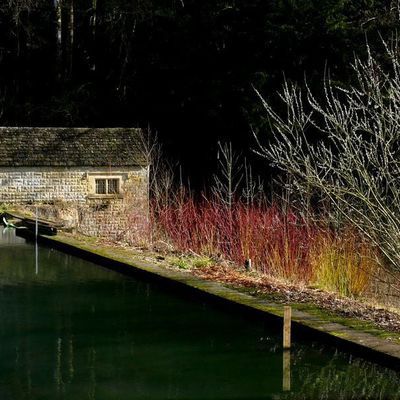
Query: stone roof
x=70, y=147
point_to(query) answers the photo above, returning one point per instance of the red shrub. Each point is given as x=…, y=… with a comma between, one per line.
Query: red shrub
x=277, y=242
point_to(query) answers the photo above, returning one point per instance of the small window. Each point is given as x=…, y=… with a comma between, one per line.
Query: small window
x=107, y=186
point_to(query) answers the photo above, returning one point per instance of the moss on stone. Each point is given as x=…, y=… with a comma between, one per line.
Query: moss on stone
x=308, y=314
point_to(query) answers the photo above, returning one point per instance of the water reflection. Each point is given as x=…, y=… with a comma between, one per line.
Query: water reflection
x=9, y=238
x=36, y=257
x=286, y=370
x=76, y=331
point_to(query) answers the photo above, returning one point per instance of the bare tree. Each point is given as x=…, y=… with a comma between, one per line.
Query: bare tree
x=229, y=176
x=355, y=162
x=161, y=172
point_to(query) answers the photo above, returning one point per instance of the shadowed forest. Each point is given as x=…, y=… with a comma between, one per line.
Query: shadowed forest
x=211, y=79
x=186, y=69
x=266, y=172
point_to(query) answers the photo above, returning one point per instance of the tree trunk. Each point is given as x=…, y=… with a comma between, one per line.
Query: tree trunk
x=67, y=36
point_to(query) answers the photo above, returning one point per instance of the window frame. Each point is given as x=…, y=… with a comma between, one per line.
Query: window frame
x=107, y=185
x=93, y=177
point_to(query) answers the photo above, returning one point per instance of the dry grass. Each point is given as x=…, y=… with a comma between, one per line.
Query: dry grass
x=343, y=263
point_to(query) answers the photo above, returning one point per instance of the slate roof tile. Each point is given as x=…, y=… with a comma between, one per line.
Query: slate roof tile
x=71, y=147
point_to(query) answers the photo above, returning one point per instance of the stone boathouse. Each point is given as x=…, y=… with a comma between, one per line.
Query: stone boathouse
x=93, y=180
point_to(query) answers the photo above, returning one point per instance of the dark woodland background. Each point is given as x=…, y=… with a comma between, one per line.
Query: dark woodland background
x=184, y=68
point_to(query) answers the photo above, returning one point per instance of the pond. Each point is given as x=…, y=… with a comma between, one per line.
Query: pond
x=71, y=329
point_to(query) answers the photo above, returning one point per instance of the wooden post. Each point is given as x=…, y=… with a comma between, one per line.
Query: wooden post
x=248, y=264
x=286, y=371
x=287, y=322
x=36, y=242
x=36, y=223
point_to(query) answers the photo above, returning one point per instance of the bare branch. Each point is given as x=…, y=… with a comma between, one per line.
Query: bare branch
x=355, y=163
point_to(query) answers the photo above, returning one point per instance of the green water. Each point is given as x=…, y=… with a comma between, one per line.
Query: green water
x=70, y=329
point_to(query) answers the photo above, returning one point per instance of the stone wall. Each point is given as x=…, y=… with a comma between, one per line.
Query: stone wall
x=67, y=194
x=118, y=218
x=20, y=185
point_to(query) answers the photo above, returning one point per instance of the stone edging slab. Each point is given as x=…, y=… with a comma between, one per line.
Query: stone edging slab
x=362, y=343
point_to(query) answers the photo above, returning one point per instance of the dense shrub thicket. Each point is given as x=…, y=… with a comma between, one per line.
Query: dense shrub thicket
x=280, y=242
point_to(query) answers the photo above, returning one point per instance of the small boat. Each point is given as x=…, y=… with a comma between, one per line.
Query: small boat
x=43, y=228
x=8, y=224
x=24, y=222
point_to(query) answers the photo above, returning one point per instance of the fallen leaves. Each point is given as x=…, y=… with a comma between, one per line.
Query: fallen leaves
x=261, y=285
